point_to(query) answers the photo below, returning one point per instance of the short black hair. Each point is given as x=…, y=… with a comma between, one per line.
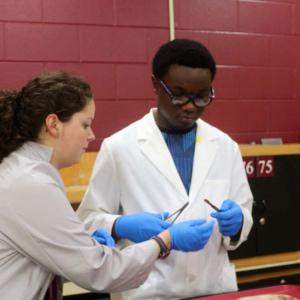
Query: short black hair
x=183, y=52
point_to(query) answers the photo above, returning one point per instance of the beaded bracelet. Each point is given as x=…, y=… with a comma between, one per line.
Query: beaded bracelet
x=164, y=250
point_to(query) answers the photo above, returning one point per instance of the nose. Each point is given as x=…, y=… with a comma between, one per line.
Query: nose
x=91, y=136
x=189, y=106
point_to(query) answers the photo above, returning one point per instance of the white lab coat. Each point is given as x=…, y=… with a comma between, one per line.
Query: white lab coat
x=135, y=172
x=41, y=235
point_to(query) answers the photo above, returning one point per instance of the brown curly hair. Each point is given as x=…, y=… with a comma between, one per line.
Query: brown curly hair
x=22, y=113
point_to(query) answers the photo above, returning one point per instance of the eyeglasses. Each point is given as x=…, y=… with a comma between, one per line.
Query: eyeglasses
x=197, y=100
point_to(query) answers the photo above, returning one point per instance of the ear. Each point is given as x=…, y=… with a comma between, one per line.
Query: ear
x=155, y=84
x=52, y=124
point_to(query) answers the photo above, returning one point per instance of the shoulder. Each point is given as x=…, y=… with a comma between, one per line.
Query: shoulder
x=19, y=171
x=33, y=187
x=210, y=132
x=128, y=134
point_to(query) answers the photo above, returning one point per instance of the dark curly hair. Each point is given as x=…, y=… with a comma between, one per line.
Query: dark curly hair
x=22, y=113
x=183, y=52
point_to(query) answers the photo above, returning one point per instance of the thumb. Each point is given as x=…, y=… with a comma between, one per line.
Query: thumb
x=165, y=215
x=196, y=222
x=227, y=204
x=100, y=240
x=215, y=215
x=165, y=225
x=207, y=228
x=110, y=242
x=162, y=216
x=210, y=223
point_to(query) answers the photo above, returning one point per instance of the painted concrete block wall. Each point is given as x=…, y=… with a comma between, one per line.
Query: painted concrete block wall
x=256, y=45
x=111, y=43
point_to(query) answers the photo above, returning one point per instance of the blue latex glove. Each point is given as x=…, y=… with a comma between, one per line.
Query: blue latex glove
x=141, y=227
x=230, y=218
x=190, y=235
x=104, y=238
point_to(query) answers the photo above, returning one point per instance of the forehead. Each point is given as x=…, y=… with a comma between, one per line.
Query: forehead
x=178, y=74
x=87, y=112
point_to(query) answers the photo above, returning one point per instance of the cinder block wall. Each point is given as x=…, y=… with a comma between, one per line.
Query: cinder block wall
x=111, y=43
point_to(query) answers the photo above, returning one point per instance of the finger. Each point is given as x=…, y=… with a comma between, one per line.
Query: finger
x=205, y=229
x=225, y=228
x=229, y=226
x=190, y=223
x=164, y=215
x=100, y=240
x=165, y=225
x=195, y=222
x=223, y=215
x=207, y=226
x=226, y=232
x=98, y=232
x=231, y=221
x=214, y=215
x=105, y=234
x=161, y=216
x=111, y=242
x=227, y=204
x=205, y=237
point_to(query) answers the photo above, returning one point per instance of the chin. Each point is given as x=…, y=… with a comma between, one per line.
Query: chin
x=185, y=124
x=72, y=162
x=77, y=160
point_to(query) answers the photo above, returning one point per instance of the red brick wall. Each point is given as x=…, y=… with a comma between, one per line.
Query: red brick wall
x=111, y=43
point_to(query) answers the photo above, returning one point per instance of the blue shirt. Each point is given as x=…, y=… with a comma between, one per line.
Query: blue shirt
x=182, y=148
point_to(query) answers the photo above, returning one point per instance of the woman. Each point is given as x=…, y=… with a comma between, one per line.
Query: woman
x=44, y=127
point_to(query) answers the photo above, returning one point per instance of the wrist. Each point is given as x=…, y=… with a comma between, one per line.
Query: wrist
x=164, y=242
x=235, y=238
x=164, y=251
x=166, y=237
x=114, y=231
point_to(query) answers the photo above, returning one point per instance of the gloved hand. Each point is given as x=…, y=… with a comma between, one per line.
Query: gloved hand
x=141, y=227
x=190, y=235
x=230, y=218
x=104, y=238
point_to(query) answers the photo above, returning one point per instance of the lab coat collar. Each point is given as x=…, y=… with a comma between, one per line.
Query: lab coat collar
x=156, y=150
x=206, y=147
x=154, y=147
x=36, y=151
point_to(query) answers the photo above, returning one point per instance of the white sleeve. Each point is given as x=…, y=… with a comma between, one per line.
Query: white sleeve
x=241, y=193
x=44, y=228
x=101, y=202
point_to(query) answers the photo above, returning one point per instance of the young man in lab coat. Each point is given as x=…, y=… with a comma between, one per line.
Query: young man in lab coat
x=165, y=159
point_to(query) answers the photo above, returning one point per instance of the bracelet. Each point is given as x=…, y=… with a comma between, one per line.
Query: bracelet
x=113, y=231
x=164, y=250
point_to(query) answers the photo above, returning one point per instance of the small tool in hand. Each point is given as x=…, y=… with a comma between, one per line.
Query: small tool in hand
x=211, y=205
x=177, y=213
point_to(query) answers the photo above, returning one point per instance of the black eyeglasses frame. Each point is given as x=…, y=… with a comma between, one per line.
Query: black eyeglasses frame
x=190, y=98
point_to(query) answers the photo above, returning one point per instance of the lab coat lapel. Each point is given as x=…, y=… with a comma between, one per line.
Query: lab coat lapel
x=205, y=151
x=153, y=146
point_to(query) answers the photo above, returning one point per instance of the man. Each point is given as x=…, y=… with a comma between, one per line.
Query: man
x=162, y=161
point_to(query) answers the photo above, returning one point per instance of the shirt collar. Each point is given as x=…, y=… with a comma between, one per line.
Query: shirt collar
x=36, y=151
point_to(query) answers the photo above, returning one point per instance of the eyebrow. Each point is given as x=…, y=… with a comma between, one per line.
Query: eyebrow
x=183, y=90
